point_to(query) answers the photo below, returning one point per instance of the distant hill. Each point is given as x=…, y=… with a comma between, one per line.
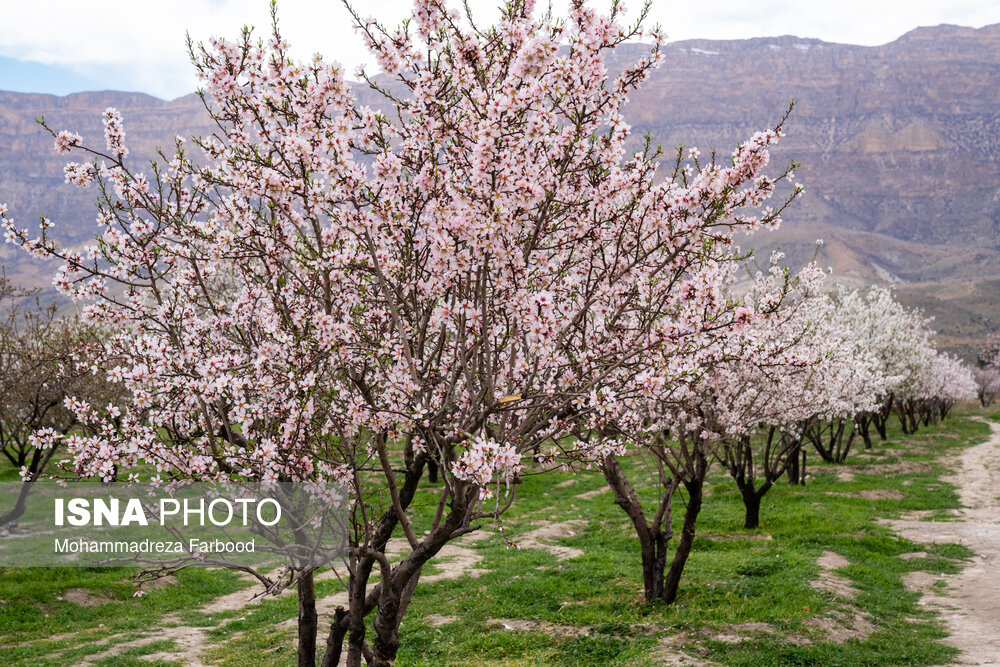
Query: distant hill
x=899, y=144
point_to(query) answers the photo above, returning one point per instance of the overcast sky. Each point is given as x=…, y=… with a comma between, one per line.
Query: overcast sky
x=64, y=46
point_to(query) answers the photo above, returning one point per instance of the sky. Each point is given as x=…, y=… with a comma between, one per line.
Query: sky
x=65, y=46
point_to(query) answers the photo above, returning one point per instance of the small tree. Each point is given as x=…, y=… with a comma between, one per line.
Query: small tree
x=987, y=385
x=42, y=362
x=667, y=420
x=900, y=342
x=795, y=365
x=946, y=381
x=987, y=373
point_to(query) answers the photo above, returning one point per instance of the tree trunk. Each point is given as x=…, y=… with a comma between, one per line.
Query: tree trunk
x=307, y=621
x=335, y=640
x=816, y=434
x=38, y=463
x=880, y=427
x=843, y=452
x=15, y=513
x=358, y=584
x=386, y=631
x=652, y=539
x=654, y=564
x=862, y=424
x=751, y=503
x=673, y=579
x=792, y=471
x=866, y=436
x=881, y=416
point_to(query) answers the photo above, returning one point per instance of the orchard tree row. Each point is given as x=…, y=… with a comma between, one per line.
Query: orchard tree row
x=987, y=373
x=483, y=273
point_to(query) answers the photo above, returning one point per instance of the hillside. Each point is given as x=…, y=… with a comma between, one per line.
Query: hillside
x=899, y=145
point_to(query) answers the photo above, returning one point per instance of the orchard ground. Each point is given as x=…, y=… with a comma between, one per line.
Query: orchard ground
x=829, y=578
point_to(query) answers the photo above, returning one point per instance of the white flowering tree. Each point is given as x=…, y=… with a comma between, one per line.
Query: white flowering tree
x=899, y=340
x=944, y=382
x=791, y=368
x=987, y=371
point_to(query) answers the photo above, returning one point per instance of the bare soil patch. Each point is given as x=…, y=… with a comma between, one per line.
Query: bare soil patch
x=843, y=626
x=548, y=530
x=83, y=597
x=831, y=582
x=587, y=495
x=438, y=619
x=527, y=625
x=869, y=494
x=668, y=654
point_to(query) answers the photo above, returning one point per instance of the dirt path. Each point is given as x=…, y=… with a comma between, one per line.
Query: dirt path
x=971, y=607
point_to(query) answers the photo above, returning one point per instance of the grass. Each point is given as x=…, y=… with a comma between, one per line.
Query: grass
x=754, y=585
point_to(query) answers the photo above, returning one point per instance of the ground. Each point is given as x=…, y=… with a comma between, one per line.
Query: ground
x=968, y=600
x=889, y=559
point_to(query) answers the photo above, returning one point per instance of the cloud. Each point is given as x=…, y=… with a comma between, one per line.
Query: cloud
x=140, y=45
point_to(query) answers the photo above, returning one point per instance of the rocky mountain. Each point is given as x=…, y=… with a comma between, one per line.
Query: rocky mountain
x=899, y=145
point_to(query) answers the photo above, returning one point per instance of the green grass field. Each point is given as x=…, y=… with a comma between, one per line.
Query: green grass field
x=747, y=597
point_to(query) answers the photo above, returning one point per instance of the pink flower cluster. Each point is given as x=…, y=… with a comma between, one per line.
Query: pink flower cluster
x=485, y=459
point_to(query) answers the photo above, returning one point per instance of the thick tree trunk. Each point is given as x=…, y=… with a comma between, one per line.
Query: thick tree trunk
x=903, y=424
x=386, y=631
x=398, y=583
x=793, y=471
x=862, y=424
x=351, y=623
x=866, y=436
x=673, y=580
x=751, y=505
x=880, y=427
x=307, y=621
x=357, y=585
x=652, y=539
x=881, y=416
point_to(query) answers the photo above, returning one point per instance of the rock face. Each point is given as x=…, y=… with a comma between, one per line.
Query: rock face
x=901, y=139
x=31, y=172
x=899, y=145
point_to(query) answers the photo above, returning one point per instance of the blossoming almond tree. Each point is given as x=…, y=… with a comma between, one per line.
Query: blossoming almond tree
x=944, y=382
x=676, y=421
x=987, y=374
x=467, y=270
x=899, y=340
x=987, y=384
x=40, y=364
x=768, y=383
x=802, y=364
